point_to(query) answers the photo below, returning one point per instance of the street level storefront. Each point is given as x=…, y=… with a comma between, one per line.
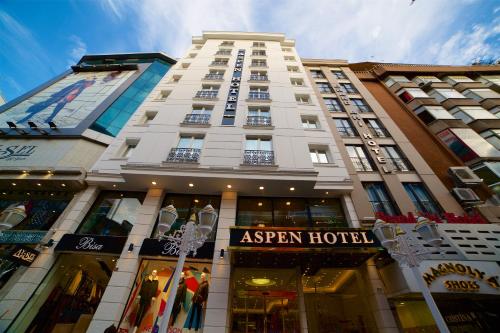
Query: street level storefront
x=467, y=293
x=145, y=308
x=282, y=277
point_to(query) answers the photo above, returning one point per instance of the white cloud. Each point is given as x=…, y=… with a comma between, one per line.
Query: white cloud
x=78, y=49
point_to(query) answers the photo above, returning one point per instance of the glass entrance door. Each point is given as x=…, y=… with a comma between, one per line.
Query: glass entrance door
x=264, y=301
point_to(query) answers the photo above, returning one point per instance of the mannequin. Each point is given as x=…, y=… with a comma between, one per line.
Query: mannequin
x=147, y=293
x=193, y=320
x=180, y=296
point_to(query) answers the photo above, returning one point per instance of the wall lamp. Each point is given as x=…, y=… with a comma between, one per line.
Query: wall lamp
x=50, y=243
x=221, y=255
x=131, y=247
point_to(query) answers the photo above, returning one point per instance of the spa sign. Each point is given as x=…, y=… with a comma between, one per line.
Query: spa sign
x=301, y=238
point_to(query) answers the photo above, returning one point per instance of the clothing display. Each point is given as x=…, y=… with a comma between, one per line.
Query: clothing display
x=193, y=320
x=149, y=289
x=179, y=299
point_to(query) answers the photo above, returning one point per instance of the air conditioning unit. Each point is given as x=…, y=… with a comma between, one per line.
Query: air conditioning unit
x=465, y=195
x=464, y=177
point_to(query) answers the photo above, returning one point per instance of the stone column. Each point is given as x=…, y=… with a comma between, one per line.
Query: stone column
x=217, y=312
x=115, y=297
x=350, y=212
x=68, y=222
x=301, y=303
x=384, y=318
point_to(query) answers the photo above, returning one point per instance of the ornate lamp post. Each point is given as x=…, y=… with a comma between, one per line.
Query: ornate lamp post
x=189, y=238
x=407, y=251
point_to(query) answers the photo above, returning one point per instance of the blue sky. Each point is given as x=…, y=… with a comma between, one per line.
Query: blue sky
x=40, y=39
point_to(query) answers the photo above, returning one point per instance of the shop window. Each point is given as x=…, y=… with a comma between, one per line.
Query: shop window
x=186, y=205
x=113, y=214
x=380, y=199
x=68, y=297
x=151, y=289
x=421, y=198
x=290, y=212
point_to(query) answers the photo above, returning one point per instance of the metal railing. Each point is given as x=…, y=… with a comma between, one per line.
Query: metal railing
x=184, y=155
x=214, y=77
x=380, y=132
x=361, y=164
x=218, y=63
x=258, y=157
x=258, y=121
x=258, y=64
x=399, y=163
x=258, y=95
x=257, y=77
x=196, y=118
x=207, y=94
x=223, y=53
x=347, y=131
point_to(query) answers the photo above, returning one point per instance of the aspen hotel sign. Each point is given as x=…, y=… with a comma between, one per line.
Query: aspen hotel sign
x=302, y=238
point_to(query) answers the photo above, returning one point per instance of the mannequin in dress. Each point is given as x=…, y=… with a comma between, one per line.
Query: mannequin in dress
x=147, y=294
x=193, y=320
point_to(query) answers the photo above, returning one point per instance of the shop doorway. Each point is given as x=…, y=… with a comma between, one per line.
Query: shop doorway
x=336, y=302
x=264, y=301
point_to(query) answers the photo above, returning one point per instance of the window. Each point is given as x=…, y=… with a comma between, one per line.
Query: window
x=393, y=79
x=318, y=155
x=333, y=105
x=380, y=199
x=130, y=145
x=423, y=79
x=289, y=58
x=359, y=158
x=348, y=88
x=493, y=137
x=317, y=75
x=259, y=144
x=176, y=78
x=286, y=49
x=292, y=69
x=344, y=127
x=190, y=142
x=303, y=99
x=259, y=44
x=113, y=214
x=162, y=95
x=443, y=94
x=409, y=94
x=258, y=63
x=259, y=112
x=258, y=151
x=428, y=114
x=259, y=53
x=395, y=158
x=227, y=43
x=259, y=116
x=421, y=198
x=360, y=105
x=457, y=79
x=470, y=113
x=260, y=93
x=481, y=94
x=208, y=91
x=310, y=122
x=223, y=52
x=202, y=109
x=376, y=128
x=490, y=79
x=215, y=74
x=192, y=55
x=297, y=82
x=199, y=115
x=220, y=62
x=339, y=75
x=258, y=76
x=185, y=65
x=188, y=150
x=149, y=116
x=324, y=87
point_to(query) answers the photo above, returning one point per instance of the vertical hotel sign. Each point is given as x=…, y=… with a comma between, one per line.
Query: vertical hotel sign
x=234, y=90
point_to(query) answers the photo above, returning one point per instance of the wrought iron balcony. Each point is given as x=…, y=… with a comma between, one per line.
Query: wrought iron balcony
x=258, y=121
x=214, y=77
x=361, y=164
x=207, y=94
x=196, y=119
x=184, y=155
x=257, y=77
x=258, y=157
x=380, y=132
x=258, y=95
x=400, y=163
x=346, y=131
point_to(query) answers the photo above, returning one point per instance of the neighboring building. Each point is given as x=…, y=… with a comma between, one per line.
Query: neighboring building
x=49, y=139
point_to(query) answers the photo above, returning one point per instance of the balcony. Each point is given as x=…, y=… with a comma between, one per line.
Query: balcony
x=196, y=119
x=218, y=63
x=361, y=164
x=184, y=155
x=347, y=131
x=258, y=64
x=258, y=157
x=214, y=77
x=259, y=95
x=399, y=163
x=257, y=121
x=207, y=94
x=380, y=132
x=223, y=53
x=257, y=77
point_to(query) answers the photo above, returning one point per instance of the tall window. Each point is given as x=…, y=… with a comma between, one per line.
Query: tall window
x=339, y=75
x=360, y=105
x=421, y=198
x=258, y=63
x=380, y=199
x=324, y=87
x=395, y=157
x=190, y=142
x=129, y=148
x=333, y=105
x=259, y=144
x=376, y=128
x=318, y=155
x=259, y=112
x=344, y=127
x=359, y=158
x=310, y=122
x=258, y=52
x=348, y=88
x=317, y=75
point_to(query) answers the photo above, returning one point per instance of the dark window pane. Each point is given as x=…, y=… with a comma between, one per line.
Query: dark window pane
x=255, y=212
x=327, y=213
x=290, y=212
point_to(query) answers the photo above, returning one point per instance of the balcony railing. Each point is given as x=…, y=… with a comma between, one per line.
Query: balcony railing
x=223, y=53
x=197, y=119
x=257, y=77
x=218, y=63
x=380, y=132
x=258, y=64
x=258, y=95
x=361, y=164
x=400, y=163
x=346, y=131
x=258, y=121
x=207, y=94
x=184, y=155
x=258, y=157
x=214, y=77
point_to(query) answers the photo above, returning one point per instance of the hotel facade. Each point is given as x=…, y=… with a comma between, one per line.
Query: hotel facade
x=298, y=158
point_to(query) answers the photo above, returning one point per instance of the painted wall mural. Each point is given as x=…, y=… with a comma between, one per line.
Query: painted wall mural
x=66, y=102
